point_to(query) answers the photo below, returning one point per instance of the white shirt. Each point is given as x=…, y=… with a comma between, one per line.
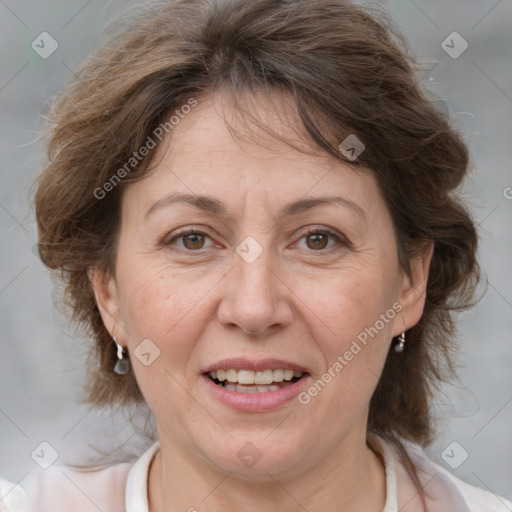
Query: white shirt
x=11, y=497
x=123, y=487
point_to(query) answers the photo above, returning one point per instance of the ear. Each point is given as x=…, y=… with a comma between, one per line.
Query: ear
x=413, y=289
x=107, y=299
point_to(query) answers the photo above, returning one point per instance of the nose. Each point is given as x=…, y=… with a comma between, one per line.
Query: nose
x=255, y=297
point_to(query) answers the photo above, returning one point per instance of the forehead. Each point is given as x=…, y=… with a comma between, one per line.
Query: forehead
x=214, y=150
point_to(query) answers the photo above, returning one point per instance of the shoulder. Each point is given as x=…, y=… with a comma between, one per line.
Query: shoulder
x=475, y=498
x=12, y=497
x=64, y=488
x=114, y=488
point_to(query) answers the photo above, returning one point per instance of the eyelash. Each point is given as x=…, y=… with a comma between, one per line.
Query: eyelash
x=341, y=241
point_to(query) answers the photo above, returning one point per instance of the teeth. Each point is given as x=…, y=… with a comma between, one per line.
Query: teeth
x=264, y=377
x=231, y=375
x=247, y=377
x=246, y=389
x=240, y=388
x=288, y=374
x=278, y=375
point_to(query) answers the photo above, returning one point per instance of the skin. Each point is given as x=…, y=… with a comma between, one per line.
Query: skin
x=303, y=300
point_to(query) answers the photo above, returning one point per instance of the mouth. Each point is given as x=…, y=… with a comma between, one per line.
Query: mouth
x=250, y=381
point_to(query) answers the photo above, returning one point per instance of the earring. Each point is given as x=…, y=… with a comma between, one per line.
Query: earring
x=122, y=365
x=399, y=347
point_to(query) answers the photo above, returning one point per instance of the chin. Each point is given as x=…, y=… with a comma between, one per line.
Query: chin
x=253, y=455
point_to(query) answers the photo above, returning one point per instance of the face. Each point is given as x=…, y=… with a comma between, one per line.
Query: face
x=275, y=260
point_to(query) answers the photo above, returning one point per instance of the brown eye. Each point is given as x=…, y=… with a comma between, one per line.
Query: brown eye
x=322, y=241
x=317, y=241
x=190, y=240
x=193, y=241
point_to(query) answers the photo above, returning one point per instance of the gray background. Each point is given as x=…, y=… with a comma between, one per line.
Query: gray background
x=41, y=358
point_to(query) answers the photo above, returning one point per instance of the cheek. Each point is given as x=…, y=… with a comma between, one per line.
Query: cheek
x=163, y=304
x=149, y=291
x=346, y=302
x=350, y=316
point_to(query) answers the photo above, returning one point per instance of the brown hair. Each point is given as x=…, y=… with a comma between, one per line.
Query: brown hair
x=348, y=71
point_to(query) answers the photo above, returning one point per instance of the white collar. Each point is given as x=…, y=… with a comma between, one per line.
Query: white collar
x=381, y=446
x=137, y=483
x=136, y=494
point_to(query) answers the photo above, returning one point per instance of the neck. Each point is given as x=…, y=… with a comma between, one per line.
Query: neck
x=351, y=478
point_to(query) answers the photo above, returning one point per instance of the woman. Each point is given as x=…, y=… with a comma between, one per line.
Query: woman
x=252, y=207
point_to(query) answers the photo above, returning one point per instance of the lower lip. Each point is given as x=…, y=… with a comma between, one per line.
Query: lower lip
x=256, y=402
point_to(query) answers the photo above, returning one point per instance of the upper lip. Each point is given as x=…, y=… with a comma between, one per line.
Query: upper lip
x=242, y=363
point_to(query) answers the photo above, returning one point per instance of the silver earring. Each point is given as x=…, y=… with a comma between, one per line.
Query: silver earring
x=399, y=347
x=122, y=364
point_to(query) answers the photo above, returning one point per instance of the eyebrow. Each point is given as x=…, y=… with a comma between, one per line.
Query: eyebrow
x=216, y=207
